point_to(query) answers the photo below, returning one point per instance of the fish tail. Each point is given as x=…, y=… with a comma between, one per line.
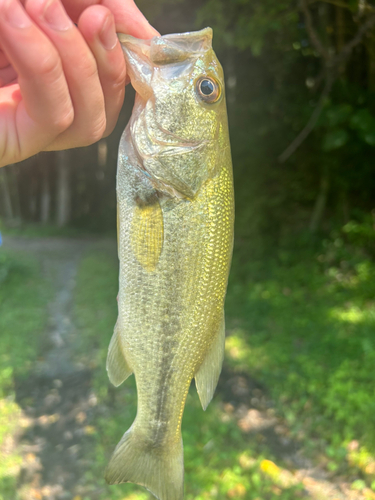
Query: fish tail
x=159, y=468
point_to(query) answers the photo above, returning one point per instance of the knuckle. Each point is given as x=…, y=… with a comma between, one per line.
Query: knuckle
x=111, y=122
x=50, y=67
x=89, y=68
x=119, y=78
x=96, y=132
x=63, y=121
x=109, y=130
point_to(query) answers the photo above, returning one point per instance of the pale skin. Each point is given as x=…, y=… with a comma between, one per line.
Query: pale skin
x=62, y=72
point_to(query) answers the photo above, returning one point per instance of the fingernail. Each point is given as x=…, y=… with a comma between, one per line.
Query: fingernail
x=56, y=17
x=15, y=14
x=108, y=35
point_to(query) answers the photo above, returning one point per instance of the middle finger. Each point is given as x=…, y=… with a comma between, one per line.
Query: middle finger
x=80, y=72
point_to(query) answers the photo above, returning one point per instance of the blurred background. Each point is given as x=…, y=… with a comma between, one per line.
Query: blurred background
x=294, y=413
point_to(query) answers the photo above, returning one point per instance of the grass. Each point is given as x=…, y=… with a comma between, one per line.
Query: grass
x=301, y=323
x=22, y=319
x=307, y=331
x=218, y=461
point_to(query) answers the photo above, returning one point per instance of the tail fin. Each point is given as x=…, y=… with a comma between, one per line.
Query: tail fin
x=159, y=469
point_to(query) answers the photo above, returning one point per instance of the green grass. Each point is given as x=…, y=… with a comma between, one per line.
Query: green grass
x=310, y=335
x=301, y=323
x=217, y=458
x=307, y=330
x=22, y=319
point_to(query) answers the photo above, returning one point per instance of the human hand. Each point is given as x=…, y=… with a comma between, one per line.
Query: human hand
x=61, y=86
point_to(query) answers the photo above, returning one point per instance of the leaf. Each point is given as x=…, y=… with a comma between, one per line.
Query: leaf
x=335, y=139
x=353, y=5
x=369, y=138
x=337, y=115
x=363, y=121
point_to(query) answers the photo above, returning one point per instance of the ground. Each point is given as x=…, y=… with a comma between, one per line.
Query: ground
x=65, y=407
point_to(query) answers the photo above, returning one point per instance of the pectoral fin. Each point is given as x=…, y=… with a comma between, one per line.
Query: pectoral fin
x=147, y=234
x=117, y=367
x=208, y=374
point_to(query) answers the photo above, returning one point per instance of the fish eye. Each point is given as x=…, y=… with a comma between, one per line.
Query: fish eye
x=208, y=89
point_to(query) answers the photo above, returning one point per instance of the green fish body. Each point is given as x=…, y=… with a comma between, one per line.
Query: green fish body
x=175, y=231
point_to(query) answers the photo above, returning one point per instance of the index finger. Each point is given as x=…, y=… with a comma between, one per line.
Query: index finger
x=128, y=18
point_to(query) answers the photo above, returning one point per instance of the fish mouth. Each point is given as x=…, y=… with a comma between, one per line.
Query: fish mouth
x=178, y=142
x=168, y=144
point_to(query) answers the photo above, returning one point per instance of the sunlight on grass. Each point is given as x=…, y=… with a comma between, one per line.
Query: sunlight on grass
x=308, y=337
x=22, y=319
x=136, y=496
x=352, y=315
x=219, y=462
x=236, y=347
x=10, y=461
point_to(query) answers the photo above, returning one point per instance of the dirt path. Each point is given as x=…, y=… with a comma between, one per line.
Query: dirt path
x=57, y=399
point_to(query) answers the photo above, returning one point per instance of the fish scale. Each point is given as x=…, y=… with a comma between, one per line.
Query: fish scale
x=175, y=232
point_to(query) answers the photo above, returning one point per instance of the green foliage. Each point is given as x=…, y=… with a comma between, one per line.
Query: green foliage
x=364, y=122
x=266, y=46
x=308, y=332
x=361, y=234
x=335, y=139
x=246, y=24
x=22, y=316
x=96, y=311
x=301, y=321
x=343, y=122
x=218, y=460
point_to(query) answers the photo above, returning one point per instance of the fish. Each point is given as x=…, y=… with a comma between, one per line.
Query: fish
x=175, y=220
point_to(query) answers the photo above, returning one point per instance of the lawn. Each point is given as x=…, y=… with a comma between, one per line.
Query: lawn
x=299, y=322
x=22, y=318
x=300, y=330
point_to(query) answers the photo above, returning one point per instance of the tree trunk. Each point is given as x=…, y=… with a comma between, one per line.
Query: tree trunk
x=340, y=34
x=345, y=206
x=33, y=197
x=320, y=204
x=340, y=28
x=102, y=153
x=12, y=177
x=45, y=201
x=63, y=188
x=5, y=195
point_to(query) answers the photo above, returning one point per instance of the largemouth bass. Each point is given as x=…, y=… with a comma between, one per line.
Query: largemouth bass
x=175, y=235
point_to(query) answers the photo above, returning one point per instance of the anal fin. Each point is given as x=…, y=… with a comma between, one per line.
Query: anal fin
x=207, y=376
x=117, y=367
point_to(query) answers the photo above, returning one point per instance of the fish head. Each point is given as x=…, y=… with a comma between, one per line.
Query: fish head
x=180, y=118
